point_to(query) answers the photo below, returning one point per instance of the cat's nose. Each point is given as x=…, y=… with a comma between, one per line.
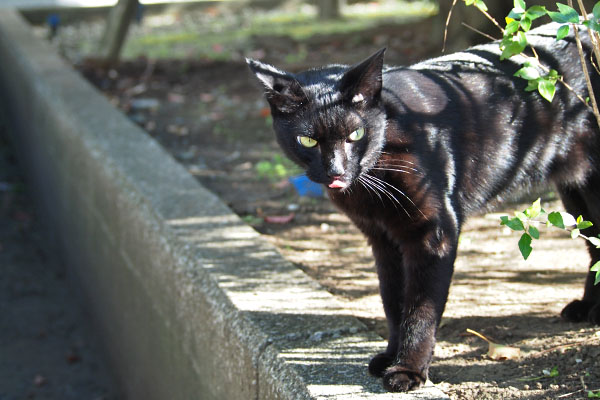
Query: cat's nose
x=335, y=175
x=335, y=170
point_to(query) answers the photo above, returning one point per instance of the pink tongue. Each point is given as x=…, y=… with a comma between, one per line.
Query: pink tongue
x=338, y=184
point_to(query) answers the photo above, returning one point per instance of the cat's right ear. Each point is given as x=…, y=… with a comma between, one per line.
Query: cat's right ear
x=362, y=83
x=284, y=93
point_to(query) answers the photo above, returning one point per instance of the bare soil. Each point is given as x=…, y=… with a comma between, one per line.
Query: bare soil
x=212, y=118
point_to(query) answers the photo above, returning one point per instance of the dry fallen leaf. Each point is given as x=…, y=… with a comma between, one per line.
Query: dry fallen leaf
x=498, y=352
x=279, y=219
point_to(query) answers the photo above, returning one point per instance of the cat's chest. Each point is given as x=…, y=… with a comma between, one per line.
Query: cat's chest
x=379, y=207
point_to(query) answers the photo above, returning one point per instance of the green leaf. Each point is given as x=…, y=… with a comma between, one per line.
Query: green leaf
x=519, y=6
x=554, y=372
x=593, y=395
x=562, y=32
x=525, y=245
x=534, y=232
x=575, y=233
x=535, y=209
x=595, y=241
x=568, y=219
x=581, y=224
x=532, y=85
x=535, y=12
x=569, y=11
x=596, y=10
x=556, y=219
x=547, y=89
x=596, y=268
x=522, y=39
x=515, y=223
x=565, y=15
x=528, y=73
x=513, y=45
x=521, y=216
x=481, y=5
x=511, y=28
x=525, y=24
x=514, y=15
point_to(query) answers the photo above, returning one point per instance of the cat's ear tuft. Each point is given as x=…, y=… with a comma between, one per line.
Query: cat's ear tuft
x=267, y=74
x=282, y=90
x=363, y=81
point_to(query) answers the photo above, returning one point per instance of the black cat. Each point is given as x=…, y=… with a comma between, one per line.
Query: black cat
x=409, y=153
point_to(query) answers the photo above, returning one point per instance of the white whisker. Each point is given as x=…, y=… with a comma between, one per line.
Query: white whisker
x=392, y=169
x=364, y=183
x=374, y=182
x=401, y=192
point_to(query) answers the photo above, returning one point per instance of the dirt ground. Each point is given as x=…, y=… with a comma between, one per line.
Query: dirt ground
x=48, y=350
x=212, y=118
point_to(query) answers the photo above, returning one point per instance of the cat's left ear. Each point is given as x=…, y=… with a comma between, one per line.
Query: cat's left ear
x=283, y=91
x=363, y=81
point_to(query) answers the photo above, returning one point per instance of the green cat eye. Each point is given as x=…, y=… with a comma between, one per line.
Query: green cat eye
x=357, y=135
x=307, y=141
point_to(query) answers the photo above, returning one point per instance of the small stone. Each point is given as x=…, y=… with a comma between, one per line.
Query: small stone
x=40, y=380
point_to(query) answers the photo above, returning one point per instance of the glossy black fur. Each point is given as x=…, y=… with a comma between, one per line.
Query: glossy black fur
x=444, y=138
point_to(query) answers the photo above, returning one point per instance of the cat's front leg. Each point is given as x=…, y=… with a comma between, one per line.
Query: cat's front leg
x=388, y=260
x=424, y=275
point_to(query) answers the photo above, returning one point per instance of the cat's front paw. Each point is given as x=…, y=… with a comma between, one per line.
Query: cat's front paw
x=400, y=379
x=379, y=364
x=576, y=311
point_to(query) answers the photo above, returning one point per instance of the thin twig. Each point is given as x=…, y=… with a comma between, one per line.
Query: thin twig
x=488, y=16
x=586, y=73
x=448, y=23
x=575, y=392
x=478, y=31
x=593, y=34
x=570, y=394
x=564, y=346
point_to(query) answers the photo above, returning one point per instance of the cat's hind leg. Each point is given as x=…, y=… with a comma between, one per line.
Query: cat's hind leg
x=585, y=202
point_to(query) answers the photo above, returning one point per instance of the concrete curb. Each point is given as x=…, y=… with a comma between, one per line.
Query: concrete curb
x=191, y=302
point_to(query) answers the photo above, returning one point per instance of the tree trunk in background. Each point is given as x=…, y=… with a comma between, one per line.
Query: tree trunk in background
x=329, y=9
x=116, y=30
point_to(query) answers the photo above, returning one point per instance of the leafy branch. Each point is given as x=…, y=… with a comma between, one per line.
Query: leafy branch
x=543, y=79
x=514, y=42
x=529, y=219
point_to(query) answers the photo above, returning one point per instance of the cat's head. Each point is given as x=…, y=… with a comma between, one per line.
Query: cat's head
x=330, y=120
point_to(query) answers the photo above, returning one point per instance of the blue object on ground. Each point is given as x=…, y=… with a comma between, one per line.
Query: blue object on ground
x=306, y=187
